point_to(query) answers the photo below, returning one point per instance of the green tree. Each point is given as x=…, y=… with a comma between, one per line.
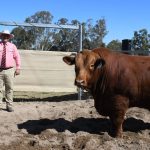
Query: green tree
x=42, y=35
x=86, y=32
x=93, y=35
x=65, y=39
x=60, y=37
x=33, y=37
x=114, y=45
x=98, y=33
x=141, y=40
x=23, y=39
x=74, y=37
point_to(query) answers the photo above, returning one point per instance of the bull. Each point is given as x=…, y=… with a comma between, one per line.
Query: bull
x=116, y=81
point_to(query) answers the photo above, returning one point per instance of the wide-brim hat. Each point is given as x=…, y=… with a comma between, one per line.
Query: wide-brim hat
x=7, y=33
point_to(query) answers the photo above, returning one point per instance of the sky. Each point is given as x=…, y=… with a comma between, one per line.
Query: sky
x=123, y=17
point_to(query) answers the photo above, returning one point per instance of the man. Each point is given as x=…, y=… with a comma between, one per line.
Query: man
x=9, y=67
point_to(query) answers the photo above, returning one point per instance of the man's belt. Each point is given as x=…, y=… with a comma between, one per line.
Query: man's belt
x=5, y=68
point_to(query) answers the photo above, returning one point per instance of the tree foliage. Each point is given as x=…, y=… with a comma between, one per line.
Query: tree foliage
x=141, y=40
x=33, y=37
x=58, y=39
x=93, y=35
x=114, y=45
x=65, y=39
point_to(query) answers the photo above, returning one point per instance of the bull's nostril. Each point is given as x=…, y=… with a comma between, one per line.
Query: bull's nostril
x=79, y=82
x=82, y=81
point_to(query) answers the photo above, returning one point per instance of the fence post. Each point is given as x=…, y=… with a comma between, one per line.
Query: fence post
x=80, y=49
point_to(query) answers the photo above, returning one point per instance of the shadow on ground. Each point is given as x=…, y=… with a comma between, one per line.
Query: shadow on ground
x=90, y=125
x=48, y=97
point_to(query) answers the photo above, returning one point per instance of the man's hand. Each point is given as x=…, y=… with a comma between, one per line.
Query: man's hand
x=17, y=72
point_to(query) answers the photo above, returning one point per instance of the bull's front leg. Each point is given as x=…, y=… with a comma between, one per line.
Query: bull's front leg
x=118, y=110
x=117, y=121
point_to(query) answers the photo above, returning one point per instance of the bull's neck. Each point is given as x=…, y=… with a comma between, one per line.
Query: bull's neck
x=100, y=85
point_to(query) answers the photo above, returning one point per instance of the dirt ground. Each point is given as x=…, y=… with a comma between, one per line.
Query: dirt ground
x=61, y=122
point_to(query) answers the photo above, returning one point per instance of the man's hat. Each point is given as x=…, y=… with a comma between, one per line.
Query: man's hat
x=7, y=33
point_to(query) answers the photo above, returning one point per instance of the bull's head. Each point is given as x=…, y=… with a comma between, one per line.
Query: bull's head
x=87, y=67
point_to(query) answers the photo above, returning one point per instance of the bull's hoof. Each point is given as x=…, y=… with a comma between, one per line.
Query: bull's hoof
x=116, y=134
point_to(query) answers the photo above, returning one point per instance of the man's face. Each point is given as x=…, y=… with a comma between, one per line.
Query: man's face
x=5, y=37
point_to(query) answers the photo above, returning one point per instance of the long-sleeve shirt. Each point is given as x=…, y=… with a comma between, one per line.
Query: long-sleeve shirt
x=12, y=55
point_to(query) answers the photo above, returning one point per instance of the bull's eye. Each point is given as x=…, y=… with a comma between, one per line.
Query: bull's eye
x=92, y=66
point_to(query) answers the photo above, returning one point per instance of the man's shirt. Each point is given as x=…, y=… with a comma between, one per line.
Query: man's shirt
x=12, y=55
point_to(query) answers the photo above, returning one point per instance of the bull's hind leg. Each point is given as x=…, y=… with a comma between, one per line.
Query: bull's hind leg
x=119, y=108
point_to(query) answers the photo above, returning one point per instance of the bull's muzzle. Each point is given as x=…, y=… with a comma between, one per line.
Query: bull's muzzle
x=79, y=83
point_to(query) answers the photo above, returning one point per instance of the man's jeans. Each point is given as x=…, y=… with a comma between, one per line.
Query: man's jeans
x=7, y=80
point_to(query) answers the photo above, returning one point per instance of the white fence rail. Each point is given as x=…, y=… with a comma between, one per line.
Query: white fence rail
x=44, y=71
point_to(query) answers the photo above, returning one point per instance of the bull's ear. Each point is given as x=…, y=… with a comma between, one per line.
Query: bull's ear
x=70, y=60
x=99, y=63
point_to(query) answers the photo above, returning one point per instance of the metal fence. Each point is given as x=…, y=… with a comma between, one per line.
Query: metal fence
x=135, y=52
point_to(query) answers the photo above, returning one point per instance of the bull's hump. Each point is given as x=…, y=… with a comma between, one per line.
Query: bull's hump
x=85, y=52
x=102, y=51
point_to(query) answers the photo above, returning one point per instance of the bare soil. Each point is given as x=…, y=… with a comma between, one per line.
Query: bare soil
x=58, y=121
